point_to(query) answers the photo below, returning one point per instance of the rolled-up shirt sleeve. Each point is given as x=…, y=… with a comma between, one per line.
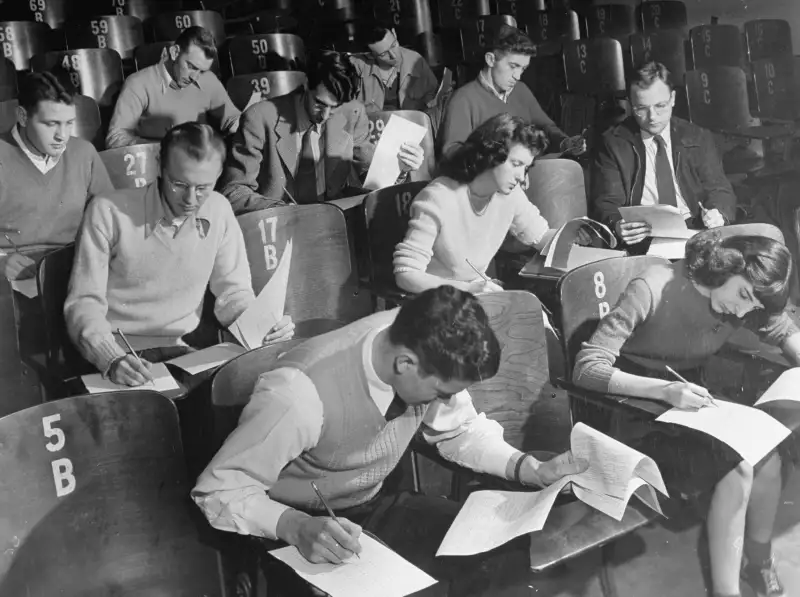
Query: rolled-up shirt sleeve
x=282, y=420
x=467, y=438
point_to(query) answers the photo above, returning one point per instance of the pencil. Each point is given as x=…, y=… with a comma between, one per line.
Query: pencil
x=288, y=194
x=328, y=508
x=13, y=244
x=680, y=378
x=477, y=271
x=133, y=352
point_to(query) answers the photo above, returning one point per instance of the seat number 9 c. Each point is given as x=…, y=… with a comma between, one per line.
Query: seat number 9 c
x=600, y=292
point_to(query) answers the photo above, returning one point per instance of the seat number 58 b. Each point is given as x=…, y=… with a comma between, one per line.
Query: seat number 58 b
x=63, y=476
x=600, y=292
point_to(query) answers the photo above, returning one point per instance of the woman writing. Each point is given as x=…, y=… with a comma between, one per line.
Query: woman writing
x=679, y=315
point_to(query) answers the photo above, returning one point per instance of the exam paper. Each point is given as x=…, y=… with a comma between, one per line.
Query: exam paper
x=377, y=571
x=668, y=248
x=786, y=387
x=27, y=287
x=666, y=221
x=208, y=358
x=384, y=168
x=749, y=431
x=267, y=310
x=561, y=252
x=162, y=382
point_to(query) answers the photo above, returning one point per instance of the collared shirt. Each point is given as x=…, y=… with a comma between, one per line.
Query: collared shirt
x=43, y=164
x=235, y=495
x=167, y=82
x=650, y=191
x=160, y=221
x=486, y=81
x=317, y=130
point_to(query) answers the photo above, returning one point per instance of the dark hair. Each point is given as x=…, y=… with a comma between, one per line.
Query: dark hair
x=711, y=260
x=375, y=33
x=200, y=37
x=197, y=140
x=648, y=73
x=489, y=145
x=335, y=72
x=510, y=40
x=449, y=332
x=41, y=87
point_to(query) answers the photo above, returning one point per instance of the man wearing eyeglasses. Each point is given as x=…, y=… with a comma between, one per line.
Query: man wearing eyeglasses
x=653, y=158
x=145, y=257
x=393, y=77
x=308, y=146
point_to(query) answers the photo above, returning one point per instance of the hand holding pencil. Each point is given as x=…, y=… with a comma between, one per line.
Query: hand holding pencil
x=686, y=395
x=17, y=266
x=131, y=369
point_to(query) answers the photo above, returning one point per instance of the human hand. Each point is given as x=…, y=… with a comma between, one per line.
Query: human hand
x=583, y=238
x=280, y=332
x=19, y=267
x=129, y=371
x=712, y=218
x=480, y=285
x=574, y=145
x=632, y=232
x=686, y=396
x=410, y=157
x=546, y=473
x=324, y=540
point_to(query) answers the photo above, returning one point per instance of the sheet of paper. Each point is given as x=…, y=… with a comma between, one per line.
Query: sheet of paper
x=668, y=248
x=567, y=234
x=27, y=287
x=267, y=310
x=163, y=381
x=749, y=431
x=489, y=519
x=379, y=571
x=666, y=221
x=384, y=169
x=561, y=253
x=208, y=358
x=615, y=506
x=786, y=387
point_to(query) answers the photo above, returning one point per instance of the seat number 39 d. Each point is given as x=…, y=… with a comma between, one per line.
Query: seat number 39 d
x=600, y=292
x=63, y=475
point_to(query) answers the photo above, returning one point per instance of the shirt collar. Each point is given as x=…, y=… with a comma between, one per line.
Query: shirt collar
x=380, y=392
x=156, y=213
x=46, y=160
x=167, y=82
x=303, y=121
x=486, y=81
x=666, y=134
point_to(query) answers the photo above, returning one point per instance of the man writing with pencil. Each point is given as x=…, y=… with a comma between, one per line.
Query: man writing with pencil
x=145, y=257
x=331, y=419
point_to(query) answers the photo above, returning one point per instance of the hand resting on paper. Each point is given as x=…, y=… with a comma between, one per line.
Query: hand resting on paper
x=687, y=396
x=410, y=157
x=281, y=331
x=319, y=539
x=632, y=232
x=543, y=474
x=128, y=371
x=712, y=218
x=19, y=267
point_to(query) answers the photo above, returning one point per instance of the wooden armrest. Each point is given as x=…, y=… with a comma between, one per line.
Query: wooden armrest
x=615, y=401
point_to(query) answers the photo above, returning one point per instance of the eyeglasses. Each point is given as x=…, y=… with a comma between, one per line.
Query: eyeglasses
x=660, y=108
x=182, y=188
x=385, y=53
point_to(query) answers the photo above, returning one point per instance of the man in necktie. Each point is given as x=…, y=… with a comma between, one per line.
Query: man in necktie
x=653, y=158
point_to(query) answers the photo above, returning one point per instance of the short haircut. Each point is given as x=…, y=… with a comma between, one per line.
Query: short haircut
x=375, y=33
x=335, y=72
x=41, y=87
x=712, y=259
x=489, y=145
x=449, y=332
x=197, y=140
x=650, y=72
x=200, y=37
x=510, y=40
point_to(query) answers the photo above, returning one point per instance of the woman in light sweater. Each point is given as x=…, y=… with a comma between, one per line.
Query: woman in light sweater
x=679, y=315
x=466, y=213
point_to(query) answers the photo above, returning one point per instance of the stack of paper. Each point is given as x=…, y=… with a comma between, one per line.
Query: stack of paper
x=384, y=168
x=267, y=310
x=162, y=382
x=377, y=571
x=563, y=254
x=616, y=472
x=208, y=358
x=668, y=228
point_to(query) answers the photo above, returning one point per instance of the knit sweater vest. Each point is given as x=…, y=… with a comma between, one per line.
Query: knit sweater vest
x=47, y=208
x=357, y=448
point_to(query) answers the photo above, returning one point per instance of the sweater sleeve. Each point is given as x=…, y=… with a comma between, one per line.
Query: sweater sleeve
x=100, y=182
x=456, y=123
x=594, y=364
x=528, y=225
x=363, y=148
x=774, y=329
x=230, y=280
x=131, y=105
x=221, y=108
x=415, y=252
x=86, y=306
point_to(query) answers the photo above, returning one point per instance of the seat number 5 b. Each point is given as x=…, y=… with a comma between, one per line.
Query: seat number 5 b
x=600, y=292
x=63, y=476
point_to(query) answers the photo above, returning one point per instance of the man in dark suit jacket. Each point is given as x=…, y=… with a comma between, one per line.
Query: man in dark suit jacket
x=308, y=146
x=653, y=158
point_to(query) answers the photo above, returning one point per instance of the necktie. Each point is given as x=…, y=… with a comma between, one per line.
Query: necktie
x=664, y=180
x=396, y=408
x=305, y=180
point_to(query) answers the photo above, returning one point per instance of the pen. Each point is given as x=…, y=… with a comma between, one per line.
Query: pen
x=328, y=508
x=133, y=352
x=477, y=271
x=680, y=378
x=285, y=190
x=13, y=244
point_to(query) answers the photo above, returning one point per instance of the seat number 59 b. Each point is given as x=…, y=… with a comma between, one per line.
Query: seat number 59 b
x=600, y=292
x=63, y=476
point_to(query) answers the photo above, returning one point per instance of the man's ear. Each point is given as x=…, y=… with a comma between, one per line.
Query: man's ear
x=490, y=59
x=672, y=97
x=405, y=362
x=22, y=116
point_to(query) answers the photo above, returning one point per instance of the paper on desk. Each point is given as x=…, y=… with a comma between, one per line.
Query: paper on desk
x=377, y=571
x=786, y=387
x=208, y=358
x=615, y=506
x=562, y=253
x=267, y=310
x=668, y=248
x=162, y=382
x=749, y=431
x=384, y=169
x=27, y=287
x=665, y=221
